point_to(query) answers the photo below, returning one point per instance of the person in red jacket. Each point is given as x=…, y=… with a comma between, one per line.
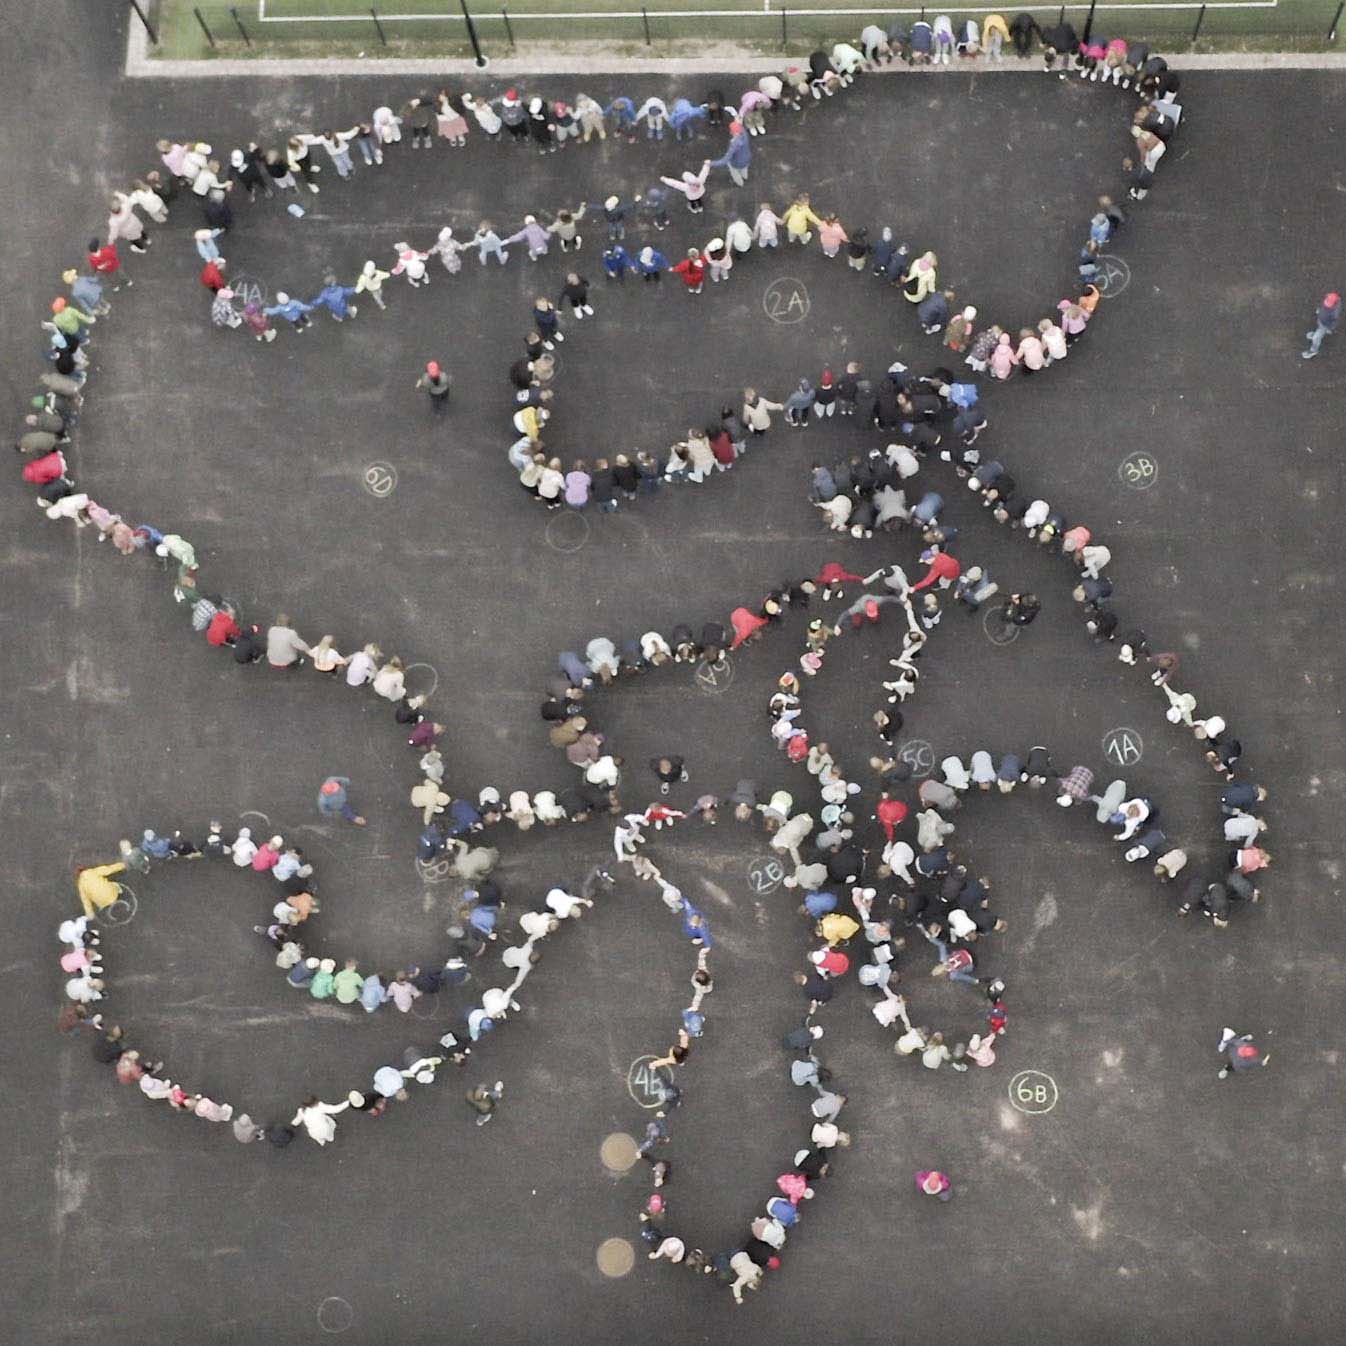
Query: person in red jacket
x=832, y=576
x=39, y=471
x=104, y=260
x=944, y=569
x=223, y=629
x=212, y=277
x=692, y=269
x=889, y=812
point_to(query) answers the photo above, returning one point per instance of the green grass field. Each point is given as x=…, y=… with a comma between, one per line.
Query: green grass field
x=310, y=28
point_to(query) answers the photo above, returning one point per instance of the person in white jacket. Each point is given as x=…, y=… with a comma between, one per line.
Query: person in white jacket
x=316, y=1118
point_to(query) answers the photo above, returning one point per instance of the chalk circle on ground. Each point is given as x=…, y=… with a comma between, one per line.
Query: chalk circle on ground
x=379, y=479
x=1138, y=470
x=714, y=677
x=998, y=630
x=256, y=813
x=433, y=871
x=615, y=1257
x=414, y=684
x=1123, y=746
x=567, y=531
x=123, y=910
x=335, y=1314
x=248, y=289
x=618, y=1152
x=1033, y=1092
x=765, y=874
x=919, y=756
x=645, y=1082
x=1113, y=275
x=786, y=300
x=426, y=1005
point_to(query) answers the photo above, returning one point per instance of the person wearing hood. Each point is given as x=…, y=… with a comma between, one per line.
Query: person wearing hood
x=294, y=311
x=692, y=269
x=1003, y=358
x=718, y=261
x=682, y=116
x=370, y=281
x=248, y=168
x=411, y=263
x=654, y=113
x=921, y=278
x=418, y=113
x=617, y=262
x=738, y=156
x=798, y=403
x=738, y=237
x=447, y=249
x=765, y=229
x=651, y=263
x=536, y=237
x=334, y=297
x=540, y=126
x=959, y=330
x=692, y=186
x=623, y=113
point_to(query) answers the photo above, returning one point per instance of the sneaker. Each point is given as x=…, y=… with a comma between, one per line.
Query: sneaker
x=588, y=309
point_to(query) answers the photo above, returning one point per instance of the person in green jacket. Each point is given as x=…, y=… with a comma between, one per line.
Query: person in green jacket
x=323, y=983
x=65, y=317
x=347, y=983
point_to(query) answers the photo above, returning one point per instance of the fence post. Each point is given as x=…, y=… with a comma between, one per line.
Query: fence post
x=477, y=56
x=1089, y=22
x=1200, y=18
x=209, y=36
x=784, y=27
x=645, y=19
x=373, y=14
x=1061, y=17
x=242, y=32
x=509, y=27
x=149, y=28
x=1336, y=19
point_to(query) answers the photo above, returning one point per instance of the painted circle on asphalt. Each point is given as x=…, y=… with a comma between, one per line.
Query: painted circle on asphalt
x=644, y=1082
x=335, y=1314
x=786, y=300
x=426, y=1006
x=618, y=1152
x=567, y=531
x=1033, y=1092
x=123, y=910
x=1138, y=470
x=414, y=685
x=765, y=874
x=714, y=678
x=248, y=289
x=1113, y=275
x=434, y=871
x=1123, y=746
x=998, y=630
x=919, y=756
x=615, y=1257
x=380, y=480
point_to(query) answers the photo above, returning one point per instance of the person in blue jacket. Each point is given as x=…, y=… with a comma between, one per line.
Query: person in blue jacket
x=651, y=263
x=623, y=113
x=682, y=115
x=334, y=297
x=738, y=156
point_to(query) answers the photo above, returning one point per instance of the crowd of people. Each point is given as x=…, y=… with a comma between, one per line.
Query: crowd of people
x=936, y=415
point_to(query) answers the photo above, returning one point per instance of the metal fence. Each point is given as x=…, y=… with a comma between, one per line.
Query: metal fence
x=180, y=28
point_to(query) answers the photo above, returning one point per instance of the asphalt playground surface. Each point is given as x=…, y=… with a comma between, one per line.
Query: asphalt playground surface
x=1151, y=1203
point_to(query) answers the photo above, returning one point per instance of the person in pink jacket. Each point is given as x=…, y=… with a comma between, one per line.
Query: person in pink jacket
x=831, y=235
x=1074, y=318
x=1003, y=358
x=1030, y=353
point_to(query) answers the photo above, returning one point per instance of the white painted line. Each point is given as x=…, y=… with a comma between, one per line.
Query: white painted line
x=565, y=15
x=725, y=59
